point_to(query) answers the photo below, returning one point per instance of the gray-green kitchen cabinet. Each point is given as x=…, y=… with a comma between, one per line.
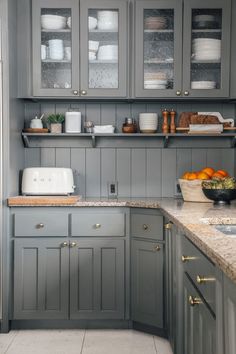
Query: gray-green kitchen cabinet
x=171, y=59
x=199, y=323
x=75, y=58
x=229, y=316
x=62, y=278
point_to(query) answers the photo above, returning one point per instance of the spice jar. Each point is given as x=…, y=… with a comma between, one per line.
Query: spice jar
x=129, y=126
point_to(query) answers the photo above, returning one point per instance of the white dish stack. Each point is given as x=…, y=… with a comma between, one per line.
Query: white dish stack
x=206, y=85
x=108, y=52
x=56, y=49
x=107, y=20
x=206, y=49
x=155, y=81
x=93, y=48
x=53, y=22
x=148, y=122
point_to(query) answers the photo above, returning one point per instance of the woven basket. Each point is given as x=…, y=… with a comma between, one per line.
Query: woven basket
x=192, y=191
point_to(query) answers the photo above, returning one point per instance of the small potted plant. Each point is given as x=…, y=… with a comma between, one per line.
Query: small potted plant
x=55, y=121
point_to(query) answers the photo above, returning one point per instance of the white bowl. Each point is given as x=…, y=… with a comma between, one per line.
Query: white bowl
x=69, y=22
x=93, y=46
x=53, y=22
x=92, y=23
x=107, y=20
x=198, y=18
x=101, y=129
x=108, y=52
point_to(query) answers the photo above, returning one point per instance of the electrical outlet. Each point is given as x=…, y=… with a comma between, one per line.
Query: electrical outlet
x=178, y=193
x=112, y=190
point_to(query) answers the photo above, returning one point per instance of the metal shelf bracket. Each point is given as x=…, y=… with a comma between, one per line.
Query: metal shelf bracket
x=25, y=140
x=93, y=141
x=166, y=141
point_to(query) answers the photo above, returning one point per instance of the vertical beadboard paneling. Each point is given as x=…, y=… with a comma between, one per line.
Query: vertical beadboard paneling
x=184, y=161
x=32, y=157
x=122, y=111
x=138, y=173
x=48, y=157
x=123, y=167
x=153, y=182
x=63, y=157
x=108, y=169
x=80, y=107
x=137, y=108
x=214, y=158
x=93, y=113
x=108, y=113
x=32, y=109
x=79, y=167
x=93, y=173
x=168, y=172
x=227, y=158
x=199, y=159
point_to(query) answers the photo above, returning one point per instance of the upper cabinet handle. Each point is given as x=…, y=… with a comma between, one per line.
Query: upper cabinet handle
x=145, y=227
x=97, y=226
x=186, y=93
x=202, y=279
x=39, y=226
x=168, y=226
x=75, y=92
x=185, y=259
x=194, y=300
x=83, y=92
x=178, y=93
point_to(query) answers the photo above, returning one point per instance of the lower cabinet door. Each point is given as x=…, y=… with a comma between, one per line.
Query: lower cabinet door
x=41, y=280
x=230, y=316
x=97, y=279
x=199, y=323
x=147, y=283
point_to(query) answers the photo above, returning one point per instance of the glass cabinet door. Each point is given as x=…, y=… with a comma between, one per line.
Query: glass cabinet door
x=158, y=48
x=206, y=48
x=55, y=52
x=104, y=48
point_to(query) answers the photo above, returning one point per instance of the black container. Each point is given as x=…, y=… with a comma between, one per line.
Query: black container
x=220, y=196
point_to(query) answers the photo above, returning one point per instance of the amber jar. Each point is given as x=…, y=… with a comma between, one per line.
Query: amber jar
x=129, y=126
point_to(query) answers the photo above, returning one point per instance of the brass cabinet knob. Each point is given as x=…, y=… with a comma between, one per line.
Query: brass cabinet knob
x=64, y=244
x=178, y=93
x=168, y=226
x=97, y=226
x=186, y=93
x=145, y=227
x=202, y=279
x=185, y=259
x=40, y=226
x=83, y=92
x=73, y=244
x=156, y=248
x=75, y=92
x=194, y=300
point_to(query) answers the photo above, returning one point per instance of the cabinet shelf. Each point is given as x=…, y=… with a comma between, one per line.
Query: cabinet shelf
x=27, y=137
x=205, y=30
x=159, y=62
x=103, y=31
x=51, y=61
x=159, y=31
x=103, y=62
x=56, y=31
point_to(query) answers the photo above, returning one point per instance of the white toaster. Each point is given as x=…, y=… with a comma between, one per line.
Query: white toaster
x=47, y=181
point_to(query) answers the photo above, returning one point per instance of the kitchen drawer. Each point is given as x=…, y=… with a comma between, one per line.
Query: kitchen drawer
x=98, y=224
x=201, y=270
x=148, y=226
x=41, y=224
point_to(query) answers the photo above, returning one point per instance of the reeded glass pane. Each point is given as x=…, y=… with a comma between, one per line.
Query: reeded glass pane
x=158, y=49
x=56, y=48
x=206, y=49
x=103, y=48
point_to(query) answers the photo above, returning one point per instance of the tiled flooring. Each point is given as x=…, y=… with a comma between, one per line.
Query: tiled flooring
x=82, y=342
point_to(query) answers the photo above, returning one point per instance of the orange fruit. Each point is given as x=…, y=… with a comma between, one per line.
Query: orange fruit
x=185, y=175
x=210, y=171
x=223, y=173
x=217, y=175
x=203, y=175
x=192, y=175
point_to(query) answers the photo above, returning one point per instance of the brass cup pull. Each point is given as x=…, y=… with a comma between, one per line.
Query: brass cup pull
x=64, y=244
x=186, y=93
x=75, y=92
x=185, y=259
x=194, y=300
x=97, y=226
x=83, y=92
x=178, y=93
x=168, y=226
x=73, y=244
x=202, y=280
x=145, y=227
x=156, y=248
x=40, y=226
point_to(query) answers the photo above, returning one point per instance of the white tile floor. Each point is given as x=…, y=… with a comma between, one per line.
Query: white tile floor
x=82, y=342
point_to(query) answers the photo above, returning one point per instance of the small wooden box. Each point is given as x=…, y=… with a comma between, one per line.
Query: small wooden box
x=192, y=191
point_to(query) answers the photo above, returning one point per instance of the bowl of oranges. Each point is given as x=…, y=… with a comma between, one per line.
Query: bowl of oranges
x=191, y=183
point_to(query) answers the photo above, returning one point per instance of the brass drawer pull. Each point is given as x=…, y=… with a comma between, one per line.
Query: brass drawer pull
x=156, y=248
x=194, y=300
x=185, y=259
x=73, y=244
x=168, y=226
x=64, y=244
x=202, y=280
x=97, y=226
x=40, y=226
x=145, y=227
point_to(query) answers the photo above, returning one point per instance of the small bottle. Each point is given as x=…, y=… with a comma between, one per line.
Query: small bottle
x=129, y=126
x=165, y=126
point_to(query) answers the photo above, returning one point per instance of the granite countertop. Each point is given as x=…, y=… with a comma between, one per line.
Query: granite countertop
x=193, y=219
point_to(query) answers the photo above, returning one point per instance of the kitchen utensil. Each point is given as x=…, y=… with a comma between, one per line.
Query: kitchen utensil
x=220, y=196
x=37, y=122
x=73, y=122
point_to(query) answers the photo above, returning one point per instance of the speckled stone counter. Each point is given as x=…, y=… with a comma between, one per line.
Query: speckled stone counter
x=193, y=219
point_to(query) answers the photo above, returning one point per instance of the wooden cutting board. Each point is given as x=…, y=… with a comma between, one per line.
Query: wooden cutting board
x=43, y=200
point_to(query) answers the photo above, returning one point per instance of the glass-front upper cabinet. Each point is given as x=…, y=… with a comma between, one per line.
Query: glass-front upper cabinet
x=158, y=48
x=206, y=48
x=55, y=51
x=104, y=48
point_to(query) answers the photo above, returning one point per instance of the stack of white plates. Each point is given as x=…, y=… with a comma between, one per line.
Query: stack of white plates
x=56, y=49
x=69, y=22
x=155, y=81
x=107, y=20
x=206, y=49
x=206, y=85
x=202, y=21
x=93, y=48
x=53, y=22
x=108, y=52
x=155, y=22
x=148, y=122
x=92, y=23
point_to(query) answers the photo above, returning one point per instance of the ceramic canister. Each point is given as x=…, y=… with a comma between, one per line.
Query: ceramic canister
x=73, y=122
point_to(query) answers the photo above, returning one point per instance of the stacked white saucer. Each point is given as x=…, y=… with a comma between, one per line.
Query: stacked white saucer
x=155, y=81
x=206, y=49
x=206, y=85
x=148, y=122
x=108, y=52
x=93, y=48
x=56, y=49
x=107, y=20
x=53, y=22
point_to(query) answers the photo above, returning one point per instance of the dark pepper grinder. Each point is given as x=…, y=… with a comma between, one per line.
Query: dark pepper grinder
x=165, y=126
x=172, y=121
